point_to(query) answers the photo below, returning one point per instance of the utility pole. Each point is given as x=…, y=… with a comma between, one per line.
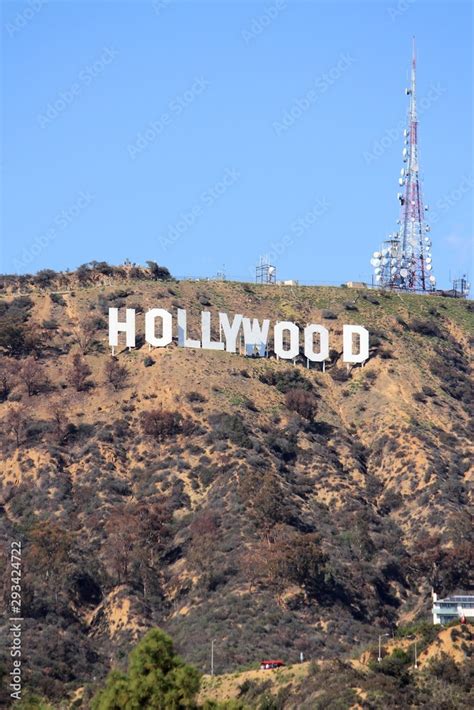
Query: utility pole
x=212, y=656
x=380, y=646
x=413, y=638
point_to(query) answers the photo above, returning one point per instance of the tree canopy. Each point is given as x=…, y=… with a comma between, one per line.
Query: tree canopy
x=157, y=678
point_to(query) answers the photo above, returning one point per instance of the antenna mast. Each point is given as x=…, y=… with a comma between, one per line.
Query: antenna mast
x=405, y=261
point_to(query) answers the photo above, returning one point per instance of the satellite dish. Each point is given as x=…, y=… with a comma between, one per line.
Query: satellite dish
x=384, y=261
x=376, y=255
x=432, y=279
x=404, y=273
x=378, y=270
x=428, y=260
x=400, y=181
x=271, y=270
x=378, y=277
x=375, y=262
x=428, y=267
x=402, y=172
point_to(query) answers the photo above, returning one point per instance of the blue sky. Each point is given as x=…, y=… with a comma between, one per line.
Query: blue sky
x=203, y=134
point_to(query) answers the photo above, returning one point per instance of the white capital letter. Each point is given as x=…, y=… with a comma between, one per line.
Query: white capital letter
x=294, y=332
x=230, y=331
x=128, y=327
x=348, y=354
x=167, y=327
x=309, y=332
x=207, y=343
x=183, y=339
x=255, y=335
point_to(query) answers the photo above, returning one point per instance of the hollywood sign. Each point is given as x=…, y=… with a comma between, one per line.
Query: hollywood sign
x=250, y=333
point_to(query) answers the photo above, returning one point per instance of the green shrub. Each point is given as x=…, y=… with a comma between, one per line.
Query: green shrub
x=428, y=328
x=57, y=298
x=231, y=427
x=285, y=379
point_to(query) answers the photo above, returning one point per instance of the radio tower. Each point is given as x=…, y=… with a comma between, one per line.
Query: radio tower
x=404, y=261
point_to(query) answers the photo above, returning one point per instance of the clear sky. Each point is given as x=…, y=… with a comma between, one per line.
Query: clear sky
x=203, y=134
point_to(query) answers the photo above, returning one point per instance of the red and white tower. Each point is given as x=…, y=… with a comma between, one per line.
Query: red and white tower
x=404, y=261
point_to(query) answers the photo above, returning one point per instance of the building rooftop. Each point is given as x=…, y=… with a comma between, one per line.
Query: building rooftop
x=457, y=598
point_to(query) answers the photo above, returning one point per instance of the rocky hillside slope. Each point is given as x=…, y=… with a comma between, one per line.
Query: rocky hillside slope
x=442, y=677
x=273, y=508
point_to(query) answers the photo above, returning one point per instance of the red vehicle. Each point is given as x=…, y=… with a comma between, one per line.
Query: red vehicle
x=266, y=665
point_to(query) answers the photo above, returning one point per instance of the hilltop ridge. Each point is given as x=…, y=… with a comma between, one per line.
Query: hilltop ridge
x=276, y=508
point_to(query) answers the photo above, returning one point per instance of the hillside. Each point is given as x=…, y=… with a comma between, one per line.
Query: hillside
x=273, y=508
x=442, y=675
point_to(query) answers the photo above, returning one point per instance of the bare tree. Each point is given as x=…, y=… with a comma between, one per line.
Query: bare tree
x=265, y=498
x=78, y=373
x=32, y=375
x=15, y=421
x=115, y=373
x=50, y=552
x=59, y=420
x=303, y=402
x=6, y=378
x=84, y=334
x=121, y=543
x=204, y=532
x=137, y=536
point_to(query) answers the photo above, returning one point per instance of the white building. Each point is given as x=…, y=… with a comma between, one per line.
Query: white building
x=451, y=608
x=356, y=284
